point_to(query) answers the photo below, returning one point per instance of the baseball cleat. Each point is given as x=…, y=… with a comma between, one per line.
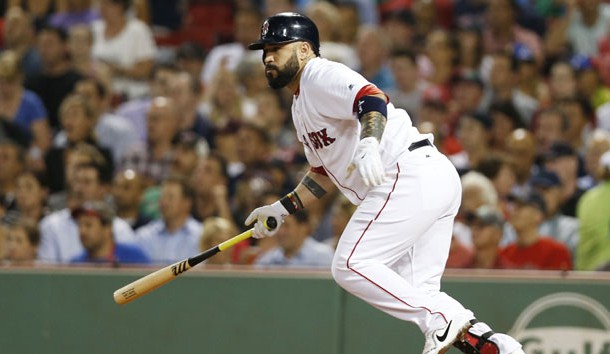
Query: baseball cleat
x=440, y=340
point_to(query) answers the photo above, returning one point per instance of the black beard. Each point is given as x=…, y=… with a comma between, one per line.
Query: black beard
x=285, y=76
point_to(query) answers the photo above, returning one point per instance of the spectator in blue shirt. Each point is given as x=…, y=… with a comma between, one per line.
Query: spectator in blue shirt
x=94, y=220
x=296, y=249
x=176, y=235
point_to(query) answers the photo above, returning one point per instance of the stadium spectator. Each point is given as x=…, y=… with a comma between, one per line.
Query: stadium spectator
x=565, y=161
x=410, y=88
x=487, y=224
x=296, y=249
x=560, y=227
x=74, y=13
x=112, y=132
x=531, y=250
x=373, y=50
x=216, y=231
x=186, y=91
x=176, y=235
x=598, y=142
x=80, y=44
x=502, y=30
x=19, y=36
x=226, y=57
x=505, y=119
x=550, y=126
x=190, y=57
x=189, y=147
x=22, y=239
x=580, y=113
x=127, y=191
x=31, y=195
x=328, y=20
x=59, y=240
x=136, y=110
x=210, y=182
x=78, y=123
x=562, y=81
x=41, y=10
x=12, y=162
x=588, y=25
x=57, y=78
x=474, y=135
x=22, y=108
x=521, y=149
x=501, y=172
x=399, y=26
x=95, y=220
x=126, y=45
x=153, y=160
x=593, y=212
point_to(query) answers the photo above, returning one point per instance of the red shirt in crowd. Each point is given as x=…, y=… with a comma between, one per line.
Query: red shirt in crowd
x=544, y=254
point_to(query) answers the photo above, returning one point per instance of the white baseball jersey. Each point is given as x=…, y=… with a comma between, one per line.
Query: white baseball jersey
x=326, y=96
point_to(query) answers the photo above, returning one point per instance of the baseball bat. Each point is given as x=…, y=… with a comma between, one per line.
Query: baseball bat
x=164, y=275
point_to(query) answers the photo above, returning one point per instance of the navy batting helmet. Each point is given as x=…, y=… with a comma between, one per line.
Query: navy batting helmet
x=288, y=27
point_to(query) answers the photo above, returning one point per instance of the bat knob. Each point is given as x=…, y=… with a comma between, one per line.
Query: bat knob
x=271, y=223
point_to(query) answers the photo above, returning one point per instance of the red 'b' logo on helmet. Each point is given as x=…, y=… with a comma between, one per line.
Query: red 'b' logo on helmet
x=265, y=29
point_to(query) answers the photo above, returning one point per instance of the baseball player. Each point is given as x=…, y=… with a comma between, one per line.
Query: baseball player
x=393, y=251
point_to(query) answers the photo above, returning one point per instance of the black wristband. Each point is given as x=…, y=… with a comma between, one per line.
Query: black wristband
x=292, y=202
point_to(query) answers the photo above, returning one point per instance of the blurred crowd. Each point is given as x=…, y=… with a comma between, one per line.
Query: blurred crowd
x=143, y=132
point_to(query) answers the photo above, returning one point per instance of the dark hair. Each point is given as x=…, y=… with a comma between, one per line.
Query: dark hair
x=491, y=165
x=99, y=85
x=19, y=148
x=125, y=4
x=104, y=176
x=185, y=186
x=584, y=104
x=508, y=109
x=404, y=53
x=190, y=50
x=60, y=32
x=216, y=156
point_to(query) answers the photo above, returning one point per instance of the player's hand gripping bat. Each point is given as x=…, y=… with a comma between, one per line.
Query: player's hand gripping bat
x=162, y=276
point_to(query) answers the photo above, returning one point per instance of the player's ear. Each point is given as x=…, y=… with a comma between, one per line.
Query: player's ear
x=304, y=50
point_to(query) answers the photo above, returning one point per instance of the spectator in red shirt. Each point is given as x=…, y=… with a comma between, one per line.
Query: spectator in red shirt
x=532, y=250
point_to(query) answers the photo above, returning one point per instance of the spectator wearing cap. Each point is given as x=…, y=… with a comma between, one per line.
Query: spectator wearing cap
x=531, y=85
x=597, y=143
x=531, y=250
x=59, y=238
x=593, y=212
x=409, y=88
x=560, y=227
x=589, y=82
x=550, y=126
x=474, y=135
x=563, y=160
x=176, y=235
x=487, y=225
x=94, y=219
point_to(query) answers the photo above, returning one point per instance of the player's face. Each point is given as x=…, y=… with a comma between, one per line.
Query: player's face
x=279, y=71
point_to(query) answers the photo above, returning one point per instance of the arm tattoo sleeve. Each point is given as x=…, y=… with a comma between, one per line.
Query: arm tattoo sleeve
x=313, y=187
x=373, y=124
